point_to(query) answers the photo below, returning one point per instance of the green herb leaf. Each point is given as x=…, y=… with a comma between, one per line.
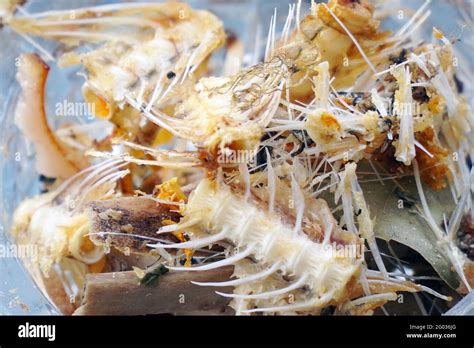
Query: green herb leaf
x=152, y=277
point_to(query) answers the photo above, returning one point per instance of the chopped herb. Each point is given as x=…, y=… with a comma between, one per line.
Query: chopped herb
x=459, y=84
x=329, y=310
x=301, y=136
x=294, y=69
x=355, y=96
x=400, y=58
x=151, y=277
x=407, y=199
x=419, y=94
x=387, y=122
x=46, y=180
x=261, y=157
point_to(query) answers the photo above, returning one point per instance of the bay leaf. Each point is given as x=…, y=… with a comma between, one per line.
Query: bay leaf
x=397, y=220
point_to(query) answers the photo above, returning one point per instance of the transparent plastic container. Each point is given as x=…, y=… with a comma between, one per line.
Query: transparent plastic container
x=18, y=180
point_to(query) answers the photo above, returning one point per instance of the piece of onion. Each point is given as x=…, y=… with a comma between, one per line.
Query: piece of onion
x=31, y=118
